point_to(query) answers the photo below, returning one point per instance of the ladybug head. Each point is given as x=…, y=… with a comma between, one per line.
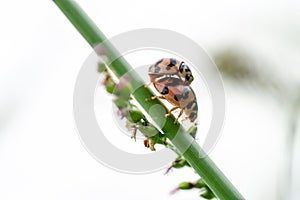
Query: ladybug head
x=186, y=72
x=189, y=78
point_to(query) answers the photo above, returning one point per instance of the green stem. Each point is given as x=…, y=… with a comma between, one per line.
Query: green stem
x=192, y=152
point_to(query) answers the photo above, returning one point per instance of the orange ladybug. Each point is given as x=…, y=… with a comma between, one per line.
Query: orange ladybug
x=179, y=94
x=172, y=68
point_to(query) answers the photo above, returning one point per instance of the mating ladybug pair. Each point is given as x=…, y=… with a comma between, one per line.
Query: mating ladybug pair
x=171, y=78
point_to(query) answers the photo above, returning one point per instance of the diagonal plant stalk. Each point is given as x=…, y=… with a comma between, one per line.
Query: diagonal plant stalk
x=192, y=152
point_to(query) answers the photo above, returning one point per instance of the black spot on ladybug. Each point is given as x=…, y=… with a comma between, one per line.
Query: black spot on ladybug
x=181, y=67
x=195, y=108
x=177, y=97
x=157, y=69
x=190, y=104
x=187, y=77
x=185, y=93
x=172, y=62
x=192, y=116
x=165, y=90
x=187, y=69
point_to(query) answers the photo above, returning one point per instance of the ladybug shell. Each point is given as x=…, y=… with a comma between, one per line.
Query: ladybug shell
x=178, y=94
x=165, y=66
x=171, y=93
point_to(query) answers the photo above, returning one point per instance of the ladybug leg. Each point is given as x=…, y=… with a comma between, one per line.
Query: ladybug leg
x=133, y=136
x=176, y=121
x=169, y=113
x=155, y=97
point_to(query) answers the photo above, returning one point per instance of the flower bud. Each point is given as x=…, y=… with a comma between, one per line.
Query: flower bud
x=200, y=183
x=134, y=114
x=185, y=186
x=101, y=67
x=207, y=194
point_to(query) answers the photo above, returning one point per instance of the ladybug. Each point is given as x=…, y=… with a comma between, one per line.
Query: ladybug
x=172, y=68
x=179, y=94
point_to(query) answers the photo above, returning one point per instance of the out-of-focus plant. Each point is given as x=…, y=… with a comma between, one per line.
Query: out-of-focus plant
x=245, y=70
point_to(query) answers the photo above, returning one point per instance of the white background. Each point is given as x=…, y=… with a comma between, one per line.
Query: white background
x=41, y=156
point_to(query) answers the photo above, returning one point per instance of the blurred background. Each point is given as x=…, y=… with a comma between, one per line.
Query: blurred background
x=255, y=44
